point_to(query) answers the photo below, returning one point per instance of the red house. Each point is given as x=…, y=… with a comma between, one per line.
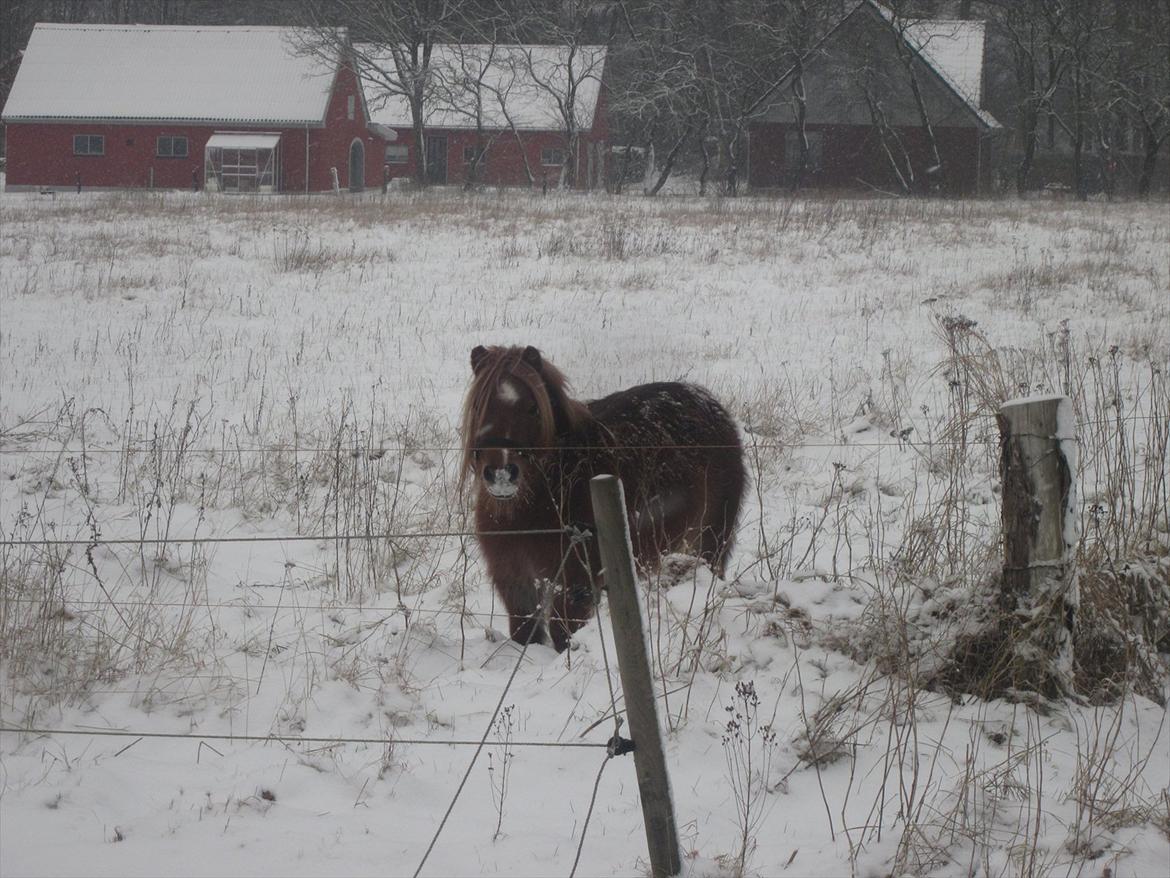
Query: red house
x=890, y=104
x=231, y=109
x=496, y=114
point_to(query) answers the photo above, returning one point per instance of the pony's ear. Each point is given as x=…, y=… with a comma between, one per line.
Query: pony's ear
x=478, y=355
x=531, y=356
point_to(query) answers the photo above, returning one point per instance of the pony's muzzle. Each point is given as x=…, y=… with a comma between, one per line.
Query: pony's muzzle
x=501, y=480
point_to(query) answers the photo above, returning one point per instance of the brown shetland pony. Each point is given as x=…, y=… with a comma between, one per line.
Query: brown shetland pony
x=531, y=450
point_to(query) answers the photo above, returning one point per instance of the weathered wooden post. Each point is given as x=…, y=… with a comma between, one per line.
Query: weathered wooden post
x=617, y=558
x=1041, y=522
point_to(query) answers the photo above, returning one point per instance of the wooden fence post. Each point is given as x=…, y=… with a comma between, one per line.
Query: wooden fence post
x=1041, y=522
x=617, y=558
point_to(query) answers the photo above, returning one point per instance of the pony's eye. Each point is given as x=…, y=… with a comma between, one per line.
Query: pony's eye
x=533, y=411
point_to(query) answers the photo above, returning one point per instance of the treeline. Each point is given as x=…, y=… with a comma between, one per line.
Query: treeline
x=1082, y=86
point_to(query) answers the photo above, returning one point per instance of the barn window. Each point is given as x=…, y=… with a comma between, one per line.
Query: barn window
x=170, y=146
x=552, y=156
x=349, y=106
x=470, y=153
x=397, y=154
x=89, y=144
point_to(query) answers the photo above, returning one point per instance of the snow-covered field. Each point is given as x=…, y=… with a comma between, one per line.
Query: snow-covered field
x=178, y=366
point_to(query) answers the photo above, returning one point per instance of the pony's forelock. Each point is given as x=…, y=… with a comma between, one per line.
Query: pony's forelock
x=544, y=383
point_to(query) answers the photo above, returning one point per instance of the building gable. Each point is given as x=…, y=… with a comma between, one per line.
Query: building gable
x=857, y=74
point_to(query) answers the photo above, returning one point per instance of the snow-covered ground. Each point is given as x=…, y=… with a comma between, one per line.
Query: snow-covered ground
x=182, y=366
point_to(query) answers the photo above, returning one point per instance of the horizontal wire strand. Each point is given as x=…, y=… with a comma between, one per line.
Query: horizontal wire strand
x=383, y=450
x=296, y=538
x=95, y=603
x=288, y=739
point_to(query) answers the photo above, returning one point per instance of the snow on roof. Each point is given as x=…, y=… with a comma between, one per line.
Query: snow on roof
x=242, y=140
x=171, y=73
x=517, y=86
x=954, y=50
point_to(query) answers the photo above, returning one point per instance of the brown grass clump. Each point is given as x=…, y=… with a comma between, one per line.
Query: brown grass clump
x=1123, y=628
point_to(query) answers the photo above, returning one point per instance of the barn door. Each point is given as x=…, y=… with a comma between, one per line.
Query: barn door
x=357, y=166
x=437, y=160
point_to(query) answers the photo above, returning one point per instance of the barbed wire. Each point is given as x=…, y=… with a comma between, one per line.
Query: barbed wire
x=288, y=739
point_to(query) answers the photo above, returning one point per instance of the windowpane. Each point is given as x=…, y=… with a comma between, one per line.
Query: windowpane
x=89, y=144
x=554, y=156
x=171, y=146
x=396, y=154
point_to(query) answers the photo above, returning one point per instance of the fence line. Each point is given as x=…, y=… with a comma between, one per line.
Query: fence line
x=297, y=538
x=66, y=603
x=290, y=739
x=382, y=451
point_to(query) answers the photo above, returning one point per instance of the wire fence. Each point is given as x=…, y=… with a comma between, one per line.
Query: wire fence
x=243, y=604
x=572, y=534
x=282, y=538
x=289, y=739
x=375, y=452
x=576, y=536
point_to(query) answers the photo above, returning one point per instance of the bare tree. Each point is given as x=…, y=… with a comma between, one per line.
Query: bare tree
x=391, y=42
x=1137, y=83
x=1038, y=74
x=706, y=66
x=578, y=32
x=461, y=81
x=659, y=94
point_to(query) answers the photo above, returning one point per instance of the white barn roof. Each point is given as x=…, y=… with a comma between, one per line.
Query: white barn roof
x=523, y=84
x=169, y=73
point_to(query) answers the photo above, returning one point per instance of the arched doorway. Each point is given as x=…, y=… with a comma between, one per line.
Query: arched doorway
x=357, y=166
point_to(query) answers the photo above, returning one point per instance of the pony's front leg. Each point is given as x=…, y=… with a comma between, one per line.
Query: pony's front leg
x=527, y=628
x=527, y=617
x=572, y=606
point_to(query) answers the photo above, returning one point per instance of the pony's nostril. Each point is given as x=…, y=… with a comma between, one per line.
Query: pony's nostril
x=513, y=471
x=488, y=474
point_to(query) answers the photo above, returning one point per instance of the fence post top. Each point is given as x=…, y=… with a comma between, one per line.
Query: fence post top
x=604, y=478
x=1044, y=399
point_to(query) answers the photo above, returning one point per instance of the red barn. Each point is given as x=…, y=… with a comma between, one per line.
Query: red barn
x=496, y=114
x=890, y=104
x=233, y=109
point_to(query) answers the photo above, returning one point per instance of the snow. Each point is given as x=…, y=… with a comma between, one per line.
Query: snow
x=240, y=140
x=519, y=86
x=278, y=342
x=955, y=49
x=170, y=73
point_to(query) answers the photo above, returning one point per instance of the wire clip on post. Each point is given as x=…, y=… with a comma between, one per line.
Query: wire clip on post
x=619, y=746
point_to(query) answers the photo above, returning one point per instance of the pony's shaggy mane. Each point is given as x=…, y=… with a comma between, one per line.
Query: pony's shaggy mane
x=548, y=386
